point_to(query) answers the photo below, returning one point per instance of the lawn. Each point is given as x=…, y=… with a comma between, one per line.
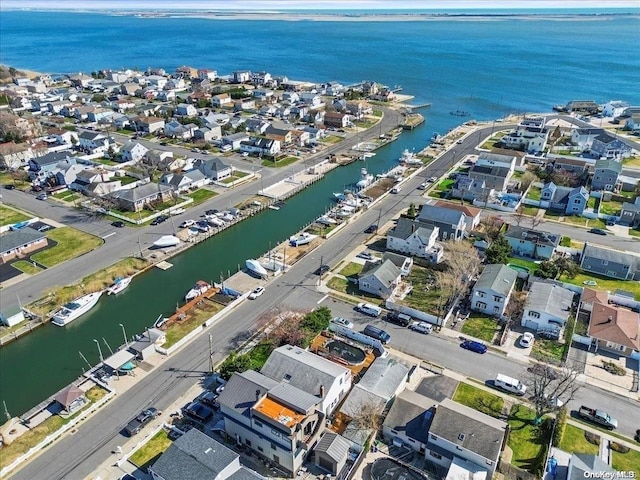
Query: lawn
x=106, y=161
x=280, y=163
x=550, y=350
x=627, y=462
x=9, y=216
x=365, y=123
x=95, y=393
x=178, y=330
x=135, y=216
x=479, y=399
x=534, y=193
x=576, y=220
x=352, y=270
x=530, y=211
x=126, y=180
x=344, y=286
x=201, y=195
x=13, y=178
x=150, y=451
x=71, y=243
x=481, y=327
x=67, y=196
x=442, y=189
x=331, y=139
x=425, y=296
x=610, y=208
x=26, y=267
x=521, y=262
x=631, y=162
x=604, y=283
x=491, y=142
x=591, y=203
x=29, y=439
x=574, y=441
x=634, y=233
x=525, y=439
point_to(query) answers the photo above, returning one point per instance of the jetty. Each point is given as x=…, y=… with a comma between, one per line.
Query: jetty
x=412, y=120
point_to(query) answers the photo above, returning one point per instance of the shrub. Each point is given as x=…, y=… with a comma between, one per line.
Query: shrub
x=561, y=423
x=616, y=447
x=592, y=438
x=613, y=368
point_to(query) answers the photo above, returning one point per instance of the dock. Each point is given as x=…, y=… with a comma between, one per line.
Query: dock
x=412, y=120
x=164, y=265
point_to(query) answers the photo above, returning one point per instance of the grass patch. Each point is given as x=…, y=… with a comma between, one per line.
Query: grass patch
x=627, y=462
x=95, y=393
x=574, y=441
x=565, y=242
x=530, y=211
x=71, y=243
x=521, y=262
x=481, y=327
x=106, y=161
x=633, y=162
x=479, y=399
x=365, y=123
x=201, y=195
x=446, y=184
x=14, y=178
x=280, y=163
x=604, y=283
x=634, y=233
x=575, y=220
x=9, y=216
x=344, y=286
x=353, y=269
x=29, y=439
x=548, y=350
x=426, y=296
x=194, y=318
x=534, y=193
x=332, y=139
x=610, y=208
x=259, y=354
x=150, y=451
x=26, y=267
x=591, y=203
x=527, y=440
x=66, y=196
x=135, y=216
x=126, y=180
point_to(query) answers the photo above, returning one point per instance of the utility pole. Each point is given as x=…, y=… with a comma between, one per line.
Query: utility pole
x=379, y=215
x=211, y=353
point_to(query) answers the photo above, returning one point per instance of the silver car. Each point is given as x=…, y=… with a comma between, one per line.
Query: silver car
x=343, y=322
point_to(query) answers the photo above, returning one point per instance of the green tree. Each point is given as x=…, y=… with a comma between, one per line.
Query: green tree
x=234, y=363
x=499, y=251
x=412, y=211
x=567, y=267
x=317, y=320
x=547, y=269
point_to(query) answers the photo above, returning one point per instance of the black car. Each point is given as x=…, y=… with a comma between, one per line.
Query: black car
x=322, y=269
x=198, y=411
x=211, y=212
x=118, y=224
x=155, y=221
x=597, y=231
x=135, y=425
x=10, y=186
x=371, y=229
x=163, y=218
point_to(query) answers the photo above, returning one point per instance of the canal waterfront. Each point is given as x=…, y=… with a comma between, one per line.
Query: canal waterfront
x=41, y=363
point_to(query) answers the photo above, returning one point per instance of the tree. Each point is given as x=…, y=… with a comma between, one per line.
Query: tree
x=316, y=320
x=527, y=179
x=492, y=226
x=547, y=269
x=499, y=251
x=367, y=417
x=551, y=388
x=234, y=363
x=566, y=267
x=412, y=213
x=515, y=307
x=518, y=217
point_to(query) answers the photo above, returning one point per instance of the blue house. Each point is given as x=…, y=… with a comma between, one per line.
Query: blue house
x=532, y=243
x=41, y=168
x=571, y=201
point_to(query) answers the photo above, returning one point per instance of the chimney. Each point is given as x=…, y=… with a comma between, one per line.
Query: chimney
x=257, y=395
x=322, y=391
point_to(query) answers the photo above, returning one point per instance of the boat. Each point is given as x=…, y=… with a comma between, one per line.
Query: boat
x=119, y=285
x=166, y=241
x=326, y=220
x=346, y=211
x=459, y=113
x=365, y=179
x=339, y=196
x=273, y=265
x=302, y=239
x=273, y=207
x=198, y=289
x=227, y=217
x=72, y=310
x=255, y=267
x=409, y=158
x=215, y=221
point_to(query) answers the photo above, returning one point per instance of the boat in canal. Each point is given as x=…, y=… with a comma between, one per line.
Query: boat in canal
x=166, y=241
x=326, y=220
x=254, y=267
x=72, y=310
x=409, y=158
x=366, y=179
x=198, y=289
x=302, y=239
x=119, y=285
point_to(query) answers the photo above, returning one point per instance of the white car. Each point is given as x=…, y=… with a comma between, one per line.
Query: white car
x=343, y=322
x=527, y=340
x=396, y=189
x=256, y=293
x=187, y=224
x=422, y=186
x=422, y=327
x=245, y=154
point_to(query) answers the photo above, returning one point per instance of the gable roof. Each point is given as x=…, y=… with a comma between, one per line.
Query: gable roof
x=406, y=227
x=52, y=157
x=385, y=375
x=582, y=464
x=615, y=324
x=302, y=369
x=334, y=446
x=497, y=278
x=411, y=413
x=91, y=135
x=241, y=390
x=140, y=192
x=590, y=295
x=386, y=272
x=534, y=236
x=18, y=238
x=438, y=214
x=609, y=165
x=492, y=170
x=550, y=298
x=466, y=209
x=611, y=255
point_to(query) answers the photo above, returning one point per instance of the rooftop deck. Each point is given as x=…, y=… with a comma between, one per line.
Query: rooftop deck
x=279, y=412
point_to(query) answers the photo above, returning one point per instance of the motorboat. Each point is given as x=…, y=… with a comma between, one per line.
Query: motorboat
x=166, y=241
x=326, y=220
x=255, y=267
x=409, y=158
x=198, y=289
x=302, y=239
x=72, y=310
x=346, y=211
x=339, y=197
x=273, y=265
x=227, y=217
x=119, y=285
x=365, y=179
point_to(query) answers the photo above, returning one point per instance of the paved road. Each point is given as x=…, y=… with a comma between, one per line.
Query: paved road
x=76, y=456
x=124, y=242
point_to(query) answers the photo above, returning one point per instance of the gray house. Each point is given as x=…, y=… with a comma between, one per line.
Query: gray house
x=605, y=176
x=571, y=201
x=380, y=279
x=495, y=176
x=631, y=214
x=610, y=263
x=493, y=289
x=547, y=307
x=408, y=420
x=451, y=223
x=213, y=168
x=532, y=243
x=606, y=145
x=135, y=199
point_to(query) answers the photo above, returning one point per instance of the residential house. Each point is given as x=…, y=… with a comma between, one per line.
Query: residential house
x=275, y=419
x=206, y=74
x=15, y=155
x=175, y=129
x=65, y=173
x=80, y=80
x=331, y=453
x=408, y=420
x=208, y=134
x=583, y=106
x=235, y=140
x=282, y=135
x=129, y=88
x=63, y=137
x=19, y=243
x=583, y=137
x=197, y=455
x=221, y=100
x=261, y=78
x=495, y=177
x=532, y=243
x=311, y=373
x=472, y=214
x=415, y=238
x=95, y=142
x=605, y=176
x=405, y=264
x=241, y=76
x=470, y=189
x=460, y=432
x=135, y=199
x=315, y=133
x=451, y=223
x=214, y=168
x=256, y=125
x=186, y=181
x=40, y=168
x=568, y=200
x=157, y=81
x=23, y=127
x=133, y=151
x=577, y=166
x=530, y=135
x=336, y=119
x=186, y=110
x=99, y=115
x=149, y=124
x=244, y=104
x=155, y=157
x=606, y=145
x=492, y=290
x=547, y=307
x=300, y=138
x=632, y=123
x=264, y=95
x=614, y=328
x=609, y=262
x=87, y=179
x=583, y=465
x=497, y=160
x=380, y=278
x=260, y=146
x=630, y=215
x=82, y=112
x=614, y=108
x=310, y=98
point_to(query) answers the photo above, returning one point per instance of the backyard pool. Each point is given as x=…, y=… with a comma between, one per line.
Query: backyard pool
x=350, y=354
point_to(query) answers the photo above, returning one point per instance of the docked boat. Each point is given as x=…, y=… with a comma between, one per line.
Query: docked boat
x=302, y=239
x=346, y=211
x=215, y=221
x=227, y=217
x=72, y=310
x=254, y=267
x=365, y=179
x=166, y=241
x=409, y=158
x=198, y=289
x=326, y=220
x=119, y=285
x=459, y=113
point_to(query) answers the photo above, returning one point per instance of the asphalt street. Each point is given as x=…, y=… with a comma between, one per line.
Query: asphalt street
x=76, y=456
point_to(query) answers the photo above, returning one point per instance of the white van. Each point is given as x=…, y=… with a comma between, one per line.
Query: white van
x=369, y=309
x=509, y=384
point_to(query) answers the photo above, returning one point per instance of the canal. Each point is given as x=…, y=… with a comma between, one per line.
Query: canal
x=41, y=363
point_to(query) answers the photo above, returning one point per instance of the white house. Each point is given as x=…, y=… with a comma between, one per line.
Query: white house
x=547, y=307
x=133, y=151
x=614, y=108
x=213, y=168
x=493, y=289
x=186, y=110
x=260, y=146
x=94, y=142
x=221, y=100
x=185, y=181
x=416, y=239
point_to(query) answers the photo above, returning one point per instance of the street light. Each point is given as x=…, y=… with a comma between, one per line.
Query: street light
x=99, y=350
x=124, y=333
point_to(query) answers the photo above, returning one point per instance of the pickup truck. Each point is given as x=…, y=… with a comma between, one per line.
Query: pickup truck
x=598, y=416
x=135, y=425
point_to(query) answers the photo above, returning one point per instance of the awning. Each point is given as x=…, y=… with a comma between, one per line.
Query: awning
x=117, y=360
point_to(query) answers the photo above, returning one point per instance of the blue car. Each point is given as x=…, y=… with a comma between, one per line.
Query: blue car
x=474, y=346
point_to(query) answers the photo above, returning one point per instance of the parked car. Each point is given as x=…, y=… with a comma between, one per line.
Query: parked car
x=527, y=339
x=343, y=322
x=211, y=212
x=366, y=256
x=422, y=327
x=209, y=399
x=474, y=346
x=256, y=293
x=540, y=369
x=431, y=179
x=597, y=231
x=118, y=224
x=398, y=318
x=510, y=384
x=396, y=189
x=423, y=185
x=187, y=224
x=369, y=309
x=322, y=269
x=598, y=416
x=371, y=229
x=135, y=425
x=9, y=186
x=198, y=411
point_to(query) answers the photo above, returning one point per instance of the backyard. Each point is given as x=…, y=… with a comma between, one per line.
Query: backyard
x=534, y=193
x=528, y=441
x=71, y=243
x=480, y=327
x=150, y=451
x=604, y=283
x=201, y=195
x=9, y=216
x=426, y=296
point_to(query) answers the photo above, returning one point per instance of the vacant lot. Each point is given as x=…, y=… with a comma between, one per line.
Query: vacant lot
x=194, y=318
x=201, y=195
x=9, y=216
x=71, y=243
x=150, y=451
x=283, y=162
x=481, y=327
x=426, y=296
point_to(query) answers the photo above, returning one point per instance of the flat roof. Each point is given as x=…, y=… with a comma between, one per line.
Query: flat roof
x=278, y=412
x=118, y=359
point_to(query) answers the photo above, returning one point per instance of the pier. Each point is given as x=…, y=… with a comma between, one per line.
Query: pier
x=412, y=120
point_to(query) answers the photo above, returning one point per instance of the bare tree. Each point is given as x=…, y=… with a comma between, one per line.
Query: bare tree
x=535, y=221
x=288, y=330
x=492, y=226
x=515, y=307
x=527, y=179
x=551, y=388
x=367, y=416
x=518, y=217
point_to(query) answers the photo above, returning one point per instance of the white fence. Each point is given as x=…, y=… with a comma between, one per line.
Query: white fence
x=167, y=211
x=358, y=337
x=148, y=436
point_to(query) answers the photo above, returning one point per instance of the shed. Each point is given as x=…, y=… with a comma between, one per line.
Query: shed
x=70, y=398
x=146, y=344
x=118, y=359
x=332, y=452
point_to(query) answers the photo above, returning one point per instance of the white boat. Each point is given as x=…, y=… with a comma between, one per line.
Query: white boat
x=215, y=221
x=409, y=158
x=339, y=197
x=273, y=265
x=198, y=289
x=365, y=179
x=302, y=239
x=75, y=309
x=119, y=285
x=177, y=211
x=346, y=211
x=255, y=267
x=326, y=220
x=166, y=241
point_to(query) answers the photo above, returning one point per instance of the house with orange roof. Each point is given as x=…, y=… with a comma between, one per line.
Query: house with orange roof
x=615, y=329
x=472, y=214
